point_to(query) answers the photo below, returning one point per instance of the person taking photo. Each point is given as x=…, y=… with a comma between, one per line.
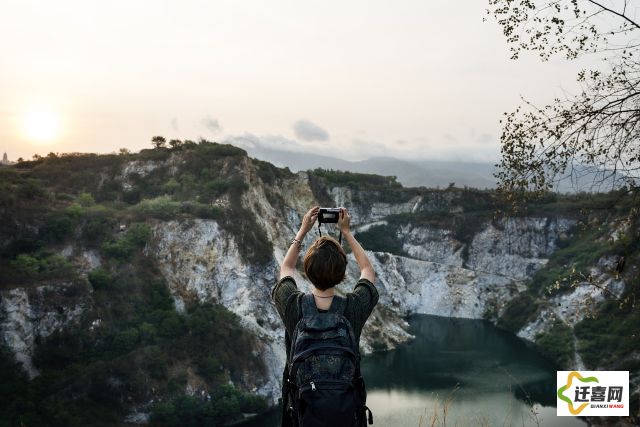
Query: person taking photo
x=322, y=384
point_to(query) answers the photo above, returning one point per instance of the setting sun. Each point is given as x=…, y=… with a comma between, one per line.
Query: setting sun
x=41, y=125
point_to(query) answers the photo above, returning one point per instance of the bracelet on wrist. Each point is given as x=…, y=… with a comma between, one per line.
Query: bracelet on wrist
x=296, y=241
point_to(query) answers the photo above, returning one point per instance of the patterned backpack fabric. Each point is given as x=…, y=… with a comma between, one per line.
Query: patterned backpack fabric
x=322, y=376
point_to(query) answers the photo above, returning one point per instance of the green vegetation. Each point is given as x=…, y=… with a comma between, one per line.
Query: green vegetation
x=222, y=408
x=518, y=312
x=269, y=173
x=368, y=188
x=132, y=345
x=557, y=343
x=29, y=269
x=140, y=343
x=607, y=336
x=161, y=207
x=610, y=337
x=124, y=247
x=381, y=238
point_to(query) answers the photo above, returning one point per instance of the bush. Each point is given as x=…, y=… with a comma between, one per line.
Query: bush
x=126, y=340
x=382, y=238
x=557, y=344
x=86, y=200
x=44, y=266
x=27, y=266
x=611, y=335
x=226, y=405
x=58, y=227
x=98, y=228
x=518, y=312
x=123, y=247
x=100, y=278
x=162, y=207
x=172, y=326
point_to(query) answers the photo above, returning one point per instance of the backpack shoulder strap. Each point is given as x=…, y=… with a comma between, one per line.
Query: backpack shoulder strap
x=338, y=305
x=308, y=305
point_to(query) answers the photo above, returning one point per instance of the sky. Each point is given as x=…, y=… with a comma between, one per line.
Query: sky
x=353, y=79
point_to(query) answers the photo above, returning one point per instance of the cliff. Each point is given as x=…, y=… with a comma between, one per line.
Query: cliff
x=217, y=224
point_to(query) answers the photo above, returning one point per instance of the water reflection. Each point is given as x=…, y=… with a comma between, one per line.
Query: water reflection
x=495, y=378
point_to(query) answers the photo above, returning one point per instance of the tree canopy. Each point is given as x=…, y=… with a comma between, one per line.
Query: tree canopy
x=591, y=133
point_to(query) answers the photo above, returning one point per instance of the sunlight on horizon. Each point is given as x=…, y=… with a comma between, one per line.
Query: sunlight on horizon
x=41, y=125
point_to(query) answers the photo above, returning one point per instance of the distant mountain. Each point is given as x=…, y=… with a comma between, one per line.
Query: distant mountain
x=428, y=173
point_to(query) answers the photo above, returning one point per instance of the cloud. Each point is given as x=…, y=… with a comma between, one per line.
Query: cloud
x=249, y=141
x=211, y=124
x=357, y=149
x=308, y=131
x=174, y=124
x=449, y=137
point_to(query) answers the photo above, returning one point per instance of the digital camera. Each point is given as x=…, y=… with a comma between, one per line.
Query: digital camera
x=328, y=215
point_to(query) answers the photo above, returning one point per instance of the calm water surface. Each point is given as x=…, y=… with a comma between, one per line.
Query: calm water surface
x=490, y=377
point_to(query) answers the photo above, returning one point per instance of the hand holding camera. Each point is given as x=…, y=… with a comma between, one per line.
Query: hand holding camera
x=310, y=219
x=338, y=216
x=344, y=221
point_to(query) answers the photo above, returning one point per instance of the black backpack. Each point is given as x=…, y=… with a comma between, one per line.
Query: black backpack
x=322, y=384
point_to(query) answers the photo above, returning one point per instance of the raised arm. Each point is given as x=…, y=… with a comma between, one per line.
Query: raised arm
x=366, y=269
x=288, y=266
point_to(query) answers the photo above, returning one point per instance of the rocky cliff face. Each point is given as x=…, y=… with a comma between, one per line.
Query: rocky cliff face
x=201, y=262
x=438, y=274
x=27, y=315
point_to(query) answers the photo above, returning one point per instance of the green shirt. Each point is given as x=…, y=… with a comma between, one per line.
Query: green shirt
x=360, y=304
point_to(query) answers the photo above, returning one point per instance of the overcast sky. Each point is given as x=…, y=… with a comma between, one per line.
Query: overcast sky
x=410, y=79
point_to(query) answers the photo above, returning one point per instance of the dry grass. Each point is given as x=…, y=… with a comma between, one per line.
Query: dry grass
x=442, y=409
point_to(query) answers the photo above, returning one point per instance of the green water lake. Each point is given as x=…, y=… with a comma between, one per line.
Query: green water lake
x=490, y=377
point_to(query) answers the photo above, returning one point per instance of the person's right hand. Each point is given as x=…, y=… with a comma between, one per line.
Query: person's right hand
x=344, y=220
x=309, y=219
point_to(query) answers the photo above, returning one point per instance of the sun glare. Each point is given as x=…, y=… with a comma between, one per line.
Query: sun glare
x=41, y=126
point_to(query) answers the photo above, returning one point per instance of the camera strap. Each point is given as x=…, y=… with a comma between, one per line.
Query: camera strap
x=320, y=233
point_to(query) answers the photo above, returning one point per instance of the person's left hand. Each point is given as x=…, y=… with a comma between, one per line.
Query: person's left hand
x=309, y=219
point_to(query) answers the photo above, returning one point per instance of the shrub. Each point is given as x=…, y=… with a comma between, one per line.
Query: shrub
x=27, y=266
x=30, y=189
x=226, y=405
x=126, y=340
x=100, y=278
x=57, y=228
x=172, y=326
x=557, y=343
x=86, y=200
x=518, y=312
x=98, y=228
x=381, y=238
x=171, y=185
x=43, y=266
x=75, y=211
x=162, y=207
x=55, y=266
x=123, y=247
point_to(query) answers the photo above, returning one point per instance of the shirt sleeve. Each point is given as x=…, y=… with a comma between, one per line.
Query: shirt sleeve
x=363, y=300
x=285, y=296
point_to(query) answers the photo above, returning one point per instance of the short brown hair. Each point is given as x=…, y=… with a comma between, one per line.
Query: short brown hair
x=325, y=263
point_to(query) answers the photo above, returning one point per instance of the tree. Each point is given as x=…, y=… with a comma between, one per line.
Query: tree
x=124, y=151
x=159, y=141
x=593, y=133
x=175, y=143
